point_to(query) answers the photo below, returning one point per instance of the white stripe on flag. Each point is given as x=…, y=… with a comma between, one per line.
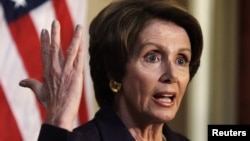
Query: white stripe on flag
x=78, y=10
x=43, y=16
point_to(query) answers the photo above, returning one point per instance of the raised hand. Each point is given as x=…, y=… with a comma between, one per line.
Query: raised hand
x=60, y=92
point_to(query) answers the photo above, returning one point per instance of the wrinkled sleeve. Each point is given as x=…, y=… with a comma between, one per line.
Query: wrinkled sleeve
x=53, y=133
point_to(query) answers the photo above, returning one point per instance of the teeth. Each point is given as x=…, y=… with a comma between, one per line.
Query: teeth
x=168, y=95
x=165, y=100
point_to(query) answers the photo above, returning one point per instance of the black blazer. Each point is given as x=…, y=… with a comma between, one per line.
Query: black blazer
x=105, y=126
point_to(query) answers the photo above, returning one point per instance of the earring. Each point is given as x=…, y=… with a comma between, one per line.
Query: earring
x=114, y=86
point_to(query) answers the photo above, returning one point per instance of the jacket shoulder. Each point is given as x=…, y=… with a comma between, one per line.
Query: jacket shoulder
x=172, y=135
x=88, y=131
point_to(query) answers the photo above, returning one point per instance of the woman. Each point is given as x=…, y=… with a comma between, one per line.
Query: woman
x=143, y=54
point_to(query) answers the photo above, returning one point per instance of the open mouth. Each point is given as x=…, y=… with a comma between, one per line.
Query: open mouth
x=164, y=99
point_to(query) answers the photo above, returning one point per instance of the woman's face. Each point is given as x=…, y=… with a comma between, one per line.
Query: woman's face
x=157, y=73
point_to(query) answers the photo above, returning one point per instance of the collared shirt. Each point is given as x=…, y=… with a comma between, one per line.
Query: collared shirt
x=105, y=126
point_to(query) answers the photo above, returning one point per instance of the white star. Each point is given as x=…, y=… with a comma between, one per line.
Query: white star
x=19, y=3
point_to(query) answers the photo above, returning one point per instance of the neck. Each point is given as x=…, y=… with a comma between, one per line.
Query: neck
x=139, y=127
x=149, y=133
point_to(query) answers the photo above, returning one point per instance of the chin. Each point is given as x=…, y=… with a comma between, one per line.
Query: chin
x=167, y=118
x=164, y=116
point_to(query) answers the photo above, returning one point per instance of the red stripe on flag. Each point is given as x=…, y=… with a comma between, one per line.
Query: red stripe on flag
x=7, y=121
x=67, y=29
x=27, y=41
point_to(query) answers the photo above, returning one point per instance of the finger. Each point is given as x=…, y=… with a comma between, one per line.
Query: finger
x=55, y=33
x=33, y=84
x=61, y=57
x=72, y=51
x=79, y=61
x=45, y=47
x=55, y=49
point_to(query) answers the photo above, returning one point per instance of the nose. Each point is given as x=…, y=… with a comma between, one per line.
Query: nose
x=169, y=74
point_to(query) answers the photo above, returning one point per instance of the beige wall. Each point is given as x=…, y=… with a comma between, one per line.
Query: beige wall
x=95, y=6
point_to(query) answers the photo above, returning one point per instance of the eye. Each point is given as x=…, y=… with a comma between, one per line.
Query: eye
x=152, y=57
x=182, y=61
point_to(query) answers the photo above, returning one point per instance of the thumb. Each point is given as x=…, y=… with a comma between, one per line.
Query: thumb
x=33, y=84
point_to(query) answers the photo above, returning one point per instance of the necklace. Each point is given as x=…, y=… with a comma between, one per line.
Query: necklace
x=163, y=138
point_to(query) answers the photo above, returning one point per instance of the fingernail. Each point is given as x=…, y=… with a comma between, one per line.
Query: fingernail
x=55, y=23
x=43, y=31
x=78, y=29
x=23, y=83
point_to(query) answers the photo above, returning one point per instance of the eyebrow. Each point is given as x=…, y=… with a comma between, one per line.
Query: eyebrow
x=185, y=49
x=160, y=46
x=140, y=48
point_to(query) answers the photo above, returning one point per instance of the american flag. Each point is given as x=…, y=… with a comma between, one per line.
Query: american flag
x=21, y=22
